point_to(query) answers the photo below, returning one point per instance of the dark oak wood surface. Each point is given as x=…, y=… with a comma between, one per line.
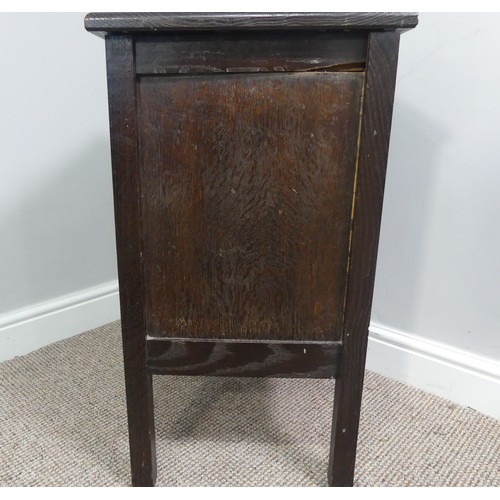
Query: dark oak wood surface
x=105, y=22
x=254, y=51
x=126, y=188
x=244, y=358
x=249, y=155
x=249, y=183
x=375, y=133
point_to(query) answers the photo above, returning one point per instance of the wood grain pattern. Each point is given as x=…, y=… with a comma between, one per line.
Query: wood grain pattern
x=244, y=52
x=241, y=250
x=375, y=133
x=248, y=207
x=244, y=358
x=102, y=22
x=126, y=189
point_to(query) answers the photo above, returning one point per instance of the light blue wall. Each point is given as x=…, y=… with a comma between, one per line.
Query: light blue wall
x=439, y=267
x=438, y=272
x=56, y=212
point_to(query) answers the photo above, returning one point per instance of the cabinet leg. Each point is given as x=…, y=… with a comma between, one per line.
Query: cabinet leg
x=139, y=390
x=345, y=425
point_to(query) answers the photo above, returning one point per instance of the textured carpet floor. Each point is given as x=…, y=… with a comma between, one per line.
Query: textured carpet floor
x=63, y=422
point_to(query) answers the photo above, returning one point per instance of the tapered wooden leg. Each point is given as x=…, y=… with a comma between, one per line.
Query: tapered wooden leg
x=345, y=425
x=375, y=131
x=127, y=200
x=139, y=391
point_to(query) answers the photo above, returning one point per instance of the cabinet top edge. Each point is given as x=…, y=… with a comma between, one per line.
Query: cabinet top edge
x=102, y=23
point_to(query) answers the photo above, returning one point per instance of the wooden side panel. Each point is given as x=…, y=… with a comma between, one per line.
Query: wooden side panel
x=244, y=358
x=250, y=52
x=249, y=182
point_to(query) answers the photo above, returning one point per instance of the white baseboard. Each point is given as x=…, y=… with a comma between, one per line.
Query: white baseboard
x=28, y=329
x=440, y=369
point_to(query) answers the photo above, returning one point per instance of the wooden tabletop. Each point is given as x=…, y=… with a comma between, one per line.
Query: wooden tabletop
x=106, y=22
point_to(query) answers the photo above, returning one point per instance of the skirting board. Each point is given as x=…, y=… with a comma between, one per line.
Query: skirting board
x=440, y=369
x=28, y=329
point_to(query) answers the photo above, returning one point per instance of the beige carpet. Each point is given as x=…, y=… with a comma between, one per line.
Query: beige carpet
x=63, y=422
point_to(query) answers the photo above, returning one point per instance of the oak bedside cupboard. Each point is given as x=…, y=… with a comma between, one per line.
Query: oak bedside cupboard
x=249, y=156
